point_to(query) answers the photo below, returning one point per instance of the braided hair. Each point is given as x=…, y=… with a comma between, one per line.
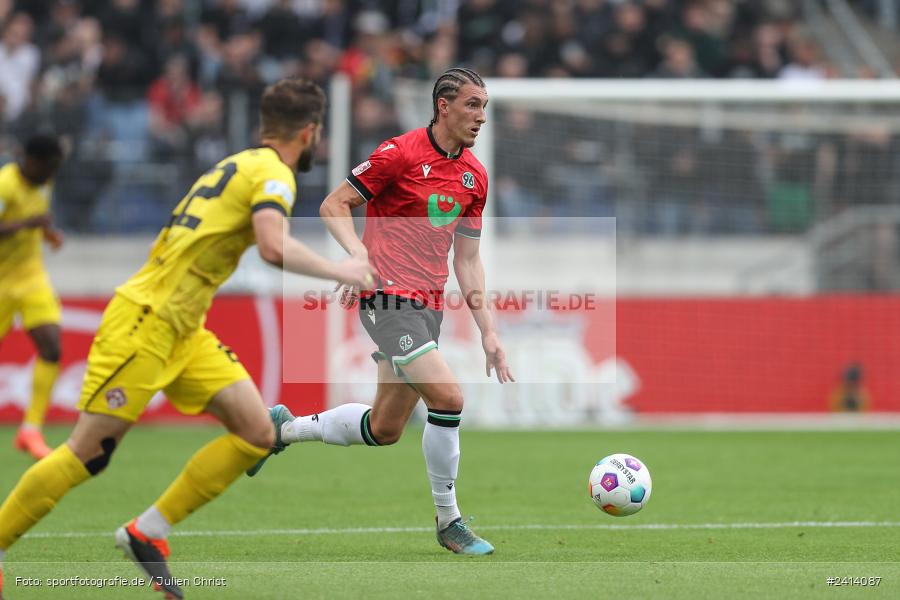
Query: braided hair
x=448, y=84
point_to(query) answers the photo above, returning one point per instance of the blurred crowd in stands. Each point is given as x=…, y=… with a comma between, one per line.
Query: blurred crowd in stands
x=149, y=93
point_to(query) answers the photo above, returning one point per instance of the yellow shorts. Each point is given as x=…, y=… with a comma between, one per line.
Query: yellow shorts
x=135, y=354
x=40, y=306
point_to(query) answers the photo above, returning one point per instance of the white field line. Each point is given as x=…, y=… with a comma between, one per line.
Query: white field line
x=561, y=527
x=761, y=422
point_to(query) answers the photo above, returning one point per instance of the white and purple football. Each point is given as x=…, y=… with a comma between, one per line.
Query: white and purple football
x=620, y=485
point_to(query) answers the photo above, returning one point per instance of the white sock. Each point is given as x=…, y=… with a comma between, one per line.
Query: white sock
x=152, y=524
x=342, y=426
x=440, y=445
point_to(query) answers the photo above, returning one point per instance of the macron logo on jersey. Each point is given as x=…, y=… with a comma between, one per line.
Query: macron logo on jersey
x=274, y=187
x=426, y=169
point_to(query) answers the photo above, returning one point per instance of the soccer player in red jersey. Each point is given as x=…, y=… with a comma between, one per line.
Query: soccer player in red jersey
x=424, y=192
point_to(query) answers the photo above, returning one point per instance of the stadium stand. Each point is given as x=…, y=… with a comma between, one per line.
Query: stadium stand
x=148, y=94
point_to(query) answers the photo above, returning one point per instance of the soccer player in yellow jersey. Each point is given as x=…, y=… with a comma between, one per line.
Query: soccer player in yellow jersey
x=25, y=190
x=153, y=337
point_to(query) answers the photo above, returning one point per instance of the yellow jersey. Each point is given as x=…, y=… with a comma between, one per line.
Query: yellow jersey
x=209, y=230
x=21, y=258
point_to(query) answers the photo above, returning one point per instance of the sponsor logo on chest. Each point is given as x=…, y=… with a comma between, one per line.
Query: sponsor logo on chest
x=442, y=209
x=445, y=205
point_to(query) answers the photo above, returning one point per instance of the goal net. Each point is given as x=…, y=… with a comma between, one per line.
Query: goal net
x=719, y=215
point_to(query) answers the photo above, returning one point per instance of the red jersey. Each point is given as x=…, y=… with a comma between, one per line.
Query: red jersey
x=419, y=197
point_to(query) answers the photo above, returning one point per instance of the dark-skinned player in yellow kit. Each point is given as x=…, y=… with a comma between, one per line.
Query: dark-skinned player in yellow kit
x=26, y=188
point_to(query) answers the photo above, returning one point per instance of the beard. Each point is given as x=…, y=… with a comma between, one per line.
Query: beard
x=305, y=160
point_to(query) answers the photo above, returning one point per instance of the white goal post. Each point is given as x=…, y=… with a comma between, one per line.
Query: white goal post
x=657, y=257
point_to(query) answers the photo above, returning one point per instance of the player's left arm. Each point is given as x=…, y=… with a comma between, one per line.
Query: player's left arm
x=470, y=274
x=52, y=234
x=11, y=227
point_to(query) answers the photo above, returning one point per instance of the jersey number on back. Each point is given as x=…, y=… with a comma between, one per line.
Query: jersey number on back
x=181, y=218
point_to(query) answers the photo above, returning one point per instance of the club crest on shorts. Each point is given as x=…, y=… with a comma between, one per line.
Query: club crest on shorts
x=406, y=342
x=115, y=398
x=468, y=180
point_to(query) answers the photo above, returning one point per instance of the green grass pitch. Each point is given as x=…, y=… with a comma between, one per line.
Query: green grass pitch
x=289, y=532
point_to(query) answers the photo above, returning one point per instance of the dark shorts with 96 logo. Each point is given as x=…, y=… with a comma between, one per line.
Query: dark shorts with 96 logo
x=404, y=329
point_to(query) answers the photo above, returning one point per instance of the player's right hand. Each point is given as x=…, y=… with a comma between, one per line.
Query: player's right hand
x=357, y=272
x=54, y=237
x=348, y=295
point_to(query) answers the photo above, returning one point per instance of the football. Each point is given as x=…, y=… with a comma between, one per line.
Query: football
x=620, y=485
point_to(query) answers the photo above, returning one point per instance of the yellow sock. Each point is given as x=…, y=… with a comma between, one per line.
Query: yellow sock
x=38, y=491
x=212, y=469
x=43, y=378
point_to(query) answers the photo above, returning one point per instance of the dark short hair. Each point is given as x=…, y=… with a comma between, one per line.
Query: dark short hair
x=448, y=84
x=43, y=147
x=289, y=105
